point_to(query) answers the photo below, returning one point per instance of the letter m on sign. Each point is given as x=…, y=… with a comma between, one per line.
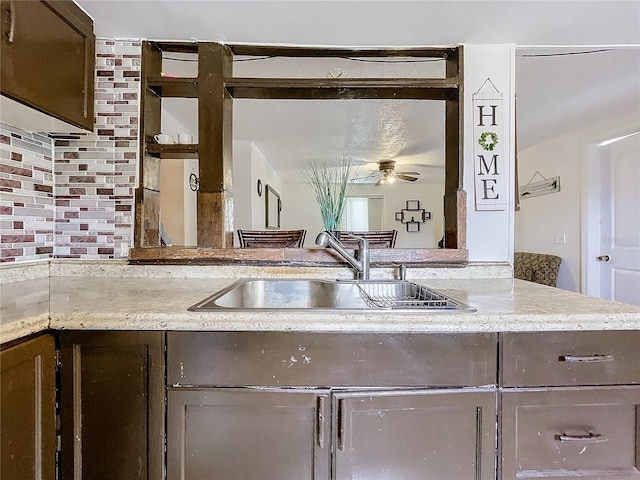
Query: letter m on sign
x=484, y=169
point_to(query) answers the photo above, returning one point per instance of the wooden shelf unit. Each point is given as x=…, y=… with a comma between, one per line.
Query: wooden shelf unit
x=215, y=87
x=173, y=150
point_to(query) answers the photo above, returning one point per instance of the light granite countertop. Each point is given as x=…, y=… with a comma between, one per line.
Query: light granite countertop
x=102, y=296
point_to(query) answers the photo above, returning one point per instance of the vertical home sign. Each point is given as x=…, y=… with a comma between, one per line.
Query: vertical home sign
x=488, y=148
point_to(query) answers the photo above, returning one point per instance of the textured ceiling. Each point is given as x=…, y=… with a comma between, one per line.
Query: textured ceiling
x=555, y=93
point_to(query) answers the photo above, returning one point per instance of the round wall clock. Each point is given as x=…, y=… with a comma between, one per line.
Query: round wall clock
x=194, y=182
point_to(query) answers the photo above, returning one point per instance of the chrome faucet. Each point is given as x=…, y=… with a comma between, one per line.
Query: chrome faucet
x=360, y=261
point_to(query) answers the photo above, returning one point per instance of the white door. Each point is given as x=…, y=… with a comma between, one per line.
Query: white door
x=619, y=255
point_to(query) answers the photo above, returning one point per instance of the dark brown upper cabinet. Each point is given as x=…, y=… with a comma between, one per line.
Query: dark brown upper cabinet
x=48, y=58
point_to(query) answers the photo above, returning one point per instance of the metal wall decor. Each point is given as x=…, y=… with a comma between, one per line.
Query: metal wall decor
x=412, y=216
x=194, y=182
x=542, y=187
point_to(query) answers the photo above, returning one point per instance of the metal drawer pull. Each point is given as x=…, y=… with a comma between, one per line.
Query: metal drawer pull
x=589, y=438
x=321, y=421
x=586, y=358
x=10, y=17
x=341, y=421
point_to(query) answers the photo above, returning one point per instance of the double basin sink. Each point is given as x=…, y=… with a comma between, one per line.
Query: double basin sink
x=317, y=294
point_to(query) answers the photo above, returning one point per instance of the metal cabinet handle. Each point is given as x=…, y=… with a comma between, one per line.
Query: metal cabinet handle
x=10, y=12
x=586, y=358
x=321, y=421
x=603, y=258
x=588, y=438
x=341, y=421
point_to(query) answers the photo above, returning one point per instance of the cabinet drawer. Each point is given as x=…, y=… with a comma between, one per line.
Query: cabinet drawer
x=588, y=433
x=570, y=358
x=330, y=359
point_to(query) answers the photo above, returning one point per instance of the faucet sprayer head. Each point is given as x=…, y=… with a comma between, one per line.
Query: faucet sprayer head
x=322, y=239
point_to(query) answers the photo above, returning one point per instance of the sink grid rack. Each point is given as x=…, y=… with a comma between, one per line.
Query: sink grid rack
x=404, y=294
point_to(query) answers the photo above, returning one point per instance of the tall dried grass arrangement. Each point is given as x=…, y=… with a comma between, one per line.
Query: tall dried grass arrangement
x=330, y=183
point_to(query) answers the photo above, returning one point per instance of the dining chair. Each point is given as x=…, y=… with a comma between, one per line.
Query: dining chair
x=271, y=238
x=376, y=238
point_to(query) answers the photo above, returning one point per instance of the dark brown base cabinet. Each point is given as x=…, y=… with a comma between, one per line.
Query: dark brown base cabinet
x=28, y=418
x=112, y=405
x=295, y=406
x=570, y=405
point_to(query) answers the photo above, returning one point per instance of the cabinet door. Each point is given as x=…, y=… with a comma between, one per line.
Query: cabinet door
x=27, y=419
x=48, y=58
x=251, y=434
x=587, y=432
x=112, y=405
x=415, y=434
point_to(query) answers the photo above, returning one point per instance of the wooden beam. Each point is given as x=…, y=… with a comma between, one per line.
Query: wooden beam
x=348, y=88
x=453, y=153
x=173, y=87
x=312, y=52
x=215, y=121
x=310, y=257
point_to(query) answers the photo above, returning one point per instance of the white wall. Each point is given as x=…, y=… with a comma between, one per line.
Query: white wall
x=489, y=233
x=540, y=218
x=300, y=210
x=249, y=166
x=395, y=199
x=245, y=198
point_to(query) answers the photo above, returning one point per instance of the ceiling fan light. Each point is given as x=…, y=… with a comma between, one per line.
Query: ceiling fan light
x=391, y=179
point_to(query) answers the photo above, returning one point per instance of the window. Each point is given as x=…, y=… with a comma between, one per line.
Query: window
x=363, y=213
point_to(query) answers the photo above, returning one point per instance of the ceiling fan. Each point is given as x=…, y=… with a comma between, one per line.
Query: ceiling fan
x=387, y=173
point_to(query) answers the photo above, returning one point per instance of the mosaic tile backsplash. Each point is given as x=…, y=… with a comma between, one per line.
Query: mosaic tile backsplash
x=72, y=196
x=26, y=195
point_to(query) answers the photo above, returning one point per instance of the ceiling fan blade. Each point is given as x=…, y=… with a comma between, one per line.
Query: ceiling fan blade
x=407, y=173
x=379, y=182
x=405, y=177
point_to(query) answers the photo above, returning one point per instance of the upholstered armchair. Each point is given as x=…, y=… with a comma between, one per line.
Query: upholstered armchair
x=537, y=267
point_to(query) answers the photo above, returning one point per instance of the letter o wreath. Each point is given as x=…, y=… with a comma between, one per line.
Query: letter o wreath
x=488, y=145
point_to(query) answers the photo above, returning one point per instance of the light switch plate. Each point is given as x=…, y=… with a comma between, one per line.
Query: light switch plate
x=560, y=238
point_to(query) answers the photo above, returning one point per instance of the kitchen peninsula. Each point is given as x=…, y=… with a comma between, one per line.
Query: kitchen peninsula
x=531, y=357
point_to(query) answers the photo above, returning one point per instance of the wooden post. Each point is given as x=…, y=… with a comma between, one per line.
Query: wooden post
x=215, y=111
x=453, y=150
x=147, y=197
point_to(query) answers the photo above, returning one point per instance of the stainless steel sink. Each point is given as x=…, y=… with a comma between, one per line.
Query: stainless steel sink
x=291, y=294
